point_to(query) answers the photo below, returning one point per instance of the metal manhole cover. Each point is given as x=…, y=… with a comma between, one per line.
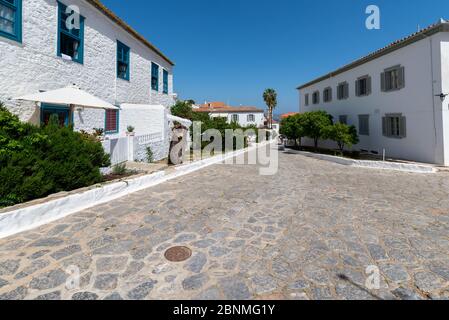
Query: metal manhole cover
x=178, y=254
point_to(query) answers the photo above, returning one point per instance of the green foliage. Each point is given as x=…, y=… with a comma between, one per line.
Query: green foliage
x=314, y=123
x=119, y=169
x=182, y=109
x=292, y=127
x=38, y=161
x=343, y=134
x=150, y=155
x=130, y=129
x=270, y=98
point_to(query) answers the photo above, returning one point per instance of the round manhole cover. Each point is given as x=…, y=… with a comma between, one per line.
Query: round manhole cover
x=178, y=254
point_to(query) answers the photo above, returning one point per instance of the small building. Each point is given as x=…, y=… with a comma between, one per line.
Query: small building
x=396, y=97
x=244, y=116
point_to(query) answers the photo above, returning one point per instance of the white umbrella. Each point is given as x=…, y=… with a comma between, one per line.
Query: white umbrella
x=71, y=96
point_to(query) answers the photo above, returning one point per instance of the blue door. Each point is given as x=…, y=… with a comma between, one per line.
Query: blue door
x=61, y=112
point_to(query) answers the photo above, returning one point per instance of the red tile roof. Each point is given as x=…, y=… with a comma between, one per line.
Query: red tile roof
x=286, y=115
x=221, y=107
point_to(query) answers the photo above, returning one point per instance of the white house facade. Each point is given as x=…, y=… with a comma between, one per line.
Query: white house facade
x=396, y=97
x=244, y=116
x=40, y=51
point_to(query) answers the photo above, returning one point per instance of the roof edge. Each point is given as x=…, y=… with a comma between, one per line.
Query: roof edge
x=102, y=8
x=415, y=37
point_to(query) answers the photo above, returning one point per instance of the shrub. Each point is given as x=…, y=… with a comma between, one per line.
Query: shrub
x=36, y=162
x=150, y=155
x=342, y=134
x=119, y=169
x=130, y=129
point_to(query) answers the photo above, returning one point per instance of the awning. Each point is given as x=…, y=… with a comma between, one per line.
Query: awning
x=71, y=95
x=185, y=122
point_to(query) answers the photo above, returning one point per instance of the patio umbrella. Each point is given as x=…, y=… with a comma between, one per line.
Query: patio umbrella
x=71, y=95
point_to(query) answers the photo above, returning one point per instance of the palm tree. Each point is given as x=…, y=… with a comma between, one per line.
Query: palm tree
x=270, y=98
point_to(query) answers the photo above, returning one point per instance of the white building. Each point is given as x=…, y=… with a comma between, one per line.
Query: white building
x=244, y=116
x=396, y=97
x=42, y=47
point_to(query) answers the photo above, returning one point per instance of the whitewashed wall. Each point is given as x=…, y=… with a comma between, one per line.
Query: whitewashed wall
x=442, y=85
x=243, y=118
x=34, y=65
x=424, y=141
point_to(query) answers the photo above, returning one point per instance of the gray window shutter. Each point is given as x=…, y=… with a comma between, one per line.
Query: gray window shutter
x=403, y=127
x=384, y=126
x=357, y=88
x=383, y=81
x=346, y=91
x=401, y=73
x=368, y=85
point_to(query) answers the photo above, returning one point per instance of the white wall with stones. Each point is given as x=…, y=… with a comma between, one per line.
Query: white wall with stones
x=33, y=65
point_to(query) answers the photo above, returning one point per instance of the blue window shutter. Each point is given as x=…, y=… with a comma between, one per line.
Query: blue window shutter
x=165, y=89
x=11, y=21
x=154, y=76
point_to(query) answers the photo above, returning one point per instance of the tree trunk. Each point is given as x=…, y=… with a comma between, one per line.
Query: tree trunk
x=270, y=118
x=316, y=144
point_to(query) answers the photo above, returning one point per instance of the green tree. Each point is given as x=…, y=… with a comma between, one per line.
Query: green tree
x=182, y=109
x=314, y=124
x=292, y=128
x=342, y=134
x=270, y=98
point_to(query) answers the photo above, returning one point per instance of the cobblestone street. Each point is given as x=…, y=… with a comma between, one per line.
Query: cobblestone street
x=308, y=232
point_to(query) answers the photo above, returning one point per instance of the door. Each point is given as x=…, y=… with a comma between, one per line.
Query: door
x=60, y=111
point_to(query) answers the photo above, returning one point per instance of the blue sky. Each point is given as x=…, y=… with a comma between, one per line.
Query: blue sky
x=231, y=50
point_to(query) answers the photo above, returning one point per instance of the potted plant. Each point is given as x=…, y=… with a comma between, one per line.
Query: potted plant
x=130, y=131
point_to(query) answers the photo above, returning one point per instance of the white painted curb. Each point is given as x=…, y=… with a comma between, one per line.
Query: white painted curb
x=405, y=167
x=28, y=218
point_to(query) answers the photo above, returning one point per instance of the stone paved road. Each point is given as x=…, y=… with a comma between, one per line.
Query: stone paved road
x=307, y=233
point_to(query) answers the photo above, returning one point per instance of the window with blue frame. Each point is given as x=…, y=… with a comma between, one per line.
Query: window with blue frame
x=154, y=77
x=165, y=76
x=122, y=61
x=70, y=34
x=11, y=19
x=111, y=121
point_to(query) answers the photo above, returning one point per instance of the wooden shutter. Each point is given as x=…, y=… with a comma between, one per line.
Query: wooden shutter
x=111, y=120
x=401, y=76
x=403, y=127
x=383, y=82
x=357, y=88
x=385, y=126
x=368, y=86
x=346, y=91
